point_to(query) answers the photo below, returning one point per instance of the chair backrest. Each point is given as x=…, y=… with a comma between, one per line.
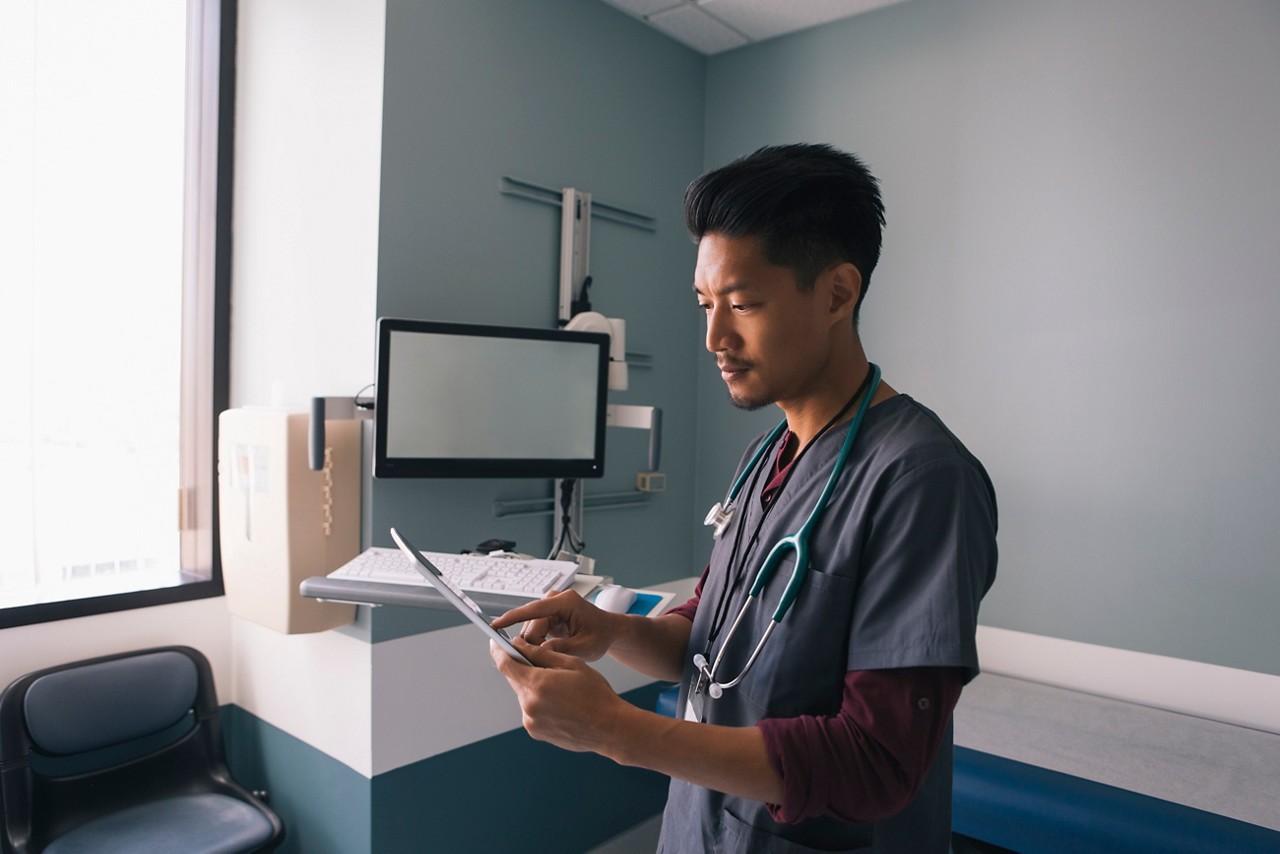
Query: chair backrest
x=94, y=706
x=83, y=740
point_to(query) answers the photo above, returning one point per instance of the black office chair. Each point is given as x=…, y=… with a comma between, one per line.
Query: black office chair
x=123, y=753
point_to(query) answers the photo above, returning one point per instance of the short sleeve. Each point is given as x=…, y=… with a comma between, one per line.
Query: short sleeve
x=929, y=556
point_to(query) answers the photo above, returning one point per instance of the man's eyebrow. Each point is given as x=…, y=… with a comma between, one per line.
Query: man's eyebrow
x=727, y=289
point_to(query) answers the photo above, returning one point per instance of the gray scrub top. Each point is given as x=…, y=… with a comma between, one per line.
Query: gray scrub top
x=898, y=564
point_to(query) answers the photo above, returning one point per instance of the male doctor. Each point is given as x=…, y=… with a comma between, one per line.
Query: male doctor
x=837, y=737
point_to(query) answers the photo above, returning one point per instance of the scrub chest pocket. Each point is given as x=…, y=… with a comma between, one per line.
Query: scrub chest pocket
x=807, y=654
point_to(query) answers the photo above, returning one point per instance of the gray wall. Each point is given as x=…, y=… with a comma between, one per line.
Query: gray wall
x=561, y=93
x=1079, y=276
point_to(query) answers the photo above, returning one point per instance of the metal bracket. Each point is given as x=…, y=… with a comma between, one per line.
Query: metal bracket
x=575, y=249
x=329, y=409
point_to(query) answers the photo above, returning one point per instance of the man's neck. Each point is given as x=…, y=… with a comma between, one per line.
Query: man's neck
x=806, y=417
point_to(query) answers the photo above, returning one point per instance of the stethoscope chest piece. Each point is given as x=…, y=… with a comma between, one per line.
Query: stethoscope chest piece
x=721, y=514
x=719, y=518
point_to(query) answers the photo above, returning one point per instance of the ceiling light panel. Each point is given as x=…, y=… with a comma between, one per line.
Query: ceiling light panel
x=695, y=28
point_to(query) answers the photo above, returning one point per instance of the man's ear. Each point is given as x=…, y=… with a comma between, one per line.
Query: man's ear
x=845, y=288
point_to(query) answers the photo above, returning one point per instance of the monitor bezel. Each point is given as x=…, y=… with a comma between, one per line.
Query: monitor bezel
x=385, y=466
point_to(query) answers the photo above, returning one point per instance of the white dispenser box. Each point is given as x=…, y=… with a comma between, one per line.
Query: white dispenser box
x=282, y=522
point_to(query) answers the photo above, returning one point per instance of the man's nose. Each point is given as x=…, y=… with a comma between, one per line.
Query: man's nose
x=719, y=330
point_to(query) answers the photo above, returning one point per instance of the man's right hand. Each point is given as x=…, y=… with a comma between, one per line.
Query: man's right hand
x=566, y=623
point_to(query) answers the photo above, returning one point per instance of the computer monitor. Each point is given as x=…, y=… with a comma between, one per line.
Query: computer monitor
x=466, y=400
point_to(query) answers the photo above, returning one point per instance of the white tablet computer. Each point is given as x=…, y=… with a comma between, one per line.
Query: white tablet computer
x=455, y=597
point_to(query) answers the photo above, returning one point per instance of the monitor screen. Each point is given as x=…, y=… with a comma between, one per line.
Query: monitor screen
x=464, y=400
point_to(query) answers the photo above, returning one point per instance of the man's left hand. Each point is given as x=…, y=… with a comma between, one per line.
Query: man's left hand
x=565, y=701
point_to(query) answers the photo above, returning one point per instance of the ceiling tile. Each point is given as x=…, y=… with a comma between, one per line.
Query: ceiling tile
x=698, y=30
x=763, y=19
x=644, y=8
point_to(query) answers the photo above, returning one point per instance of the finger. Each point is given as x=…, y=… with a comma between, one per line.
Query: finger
x=537, y=609
x=500, y=658
x=535, y=631
x=542, y=656
x=564, y=646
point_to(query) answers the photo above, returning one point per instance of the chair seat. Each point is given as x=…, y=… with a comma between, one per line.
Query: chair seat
x=190, y=824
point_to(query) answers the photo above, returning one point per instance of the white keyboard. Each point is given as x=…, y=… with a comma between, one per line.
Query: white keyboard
x=473, y=573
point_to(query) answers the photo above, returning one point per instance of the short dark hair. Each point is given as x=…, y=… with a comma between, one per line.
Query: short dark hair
x=812, y=206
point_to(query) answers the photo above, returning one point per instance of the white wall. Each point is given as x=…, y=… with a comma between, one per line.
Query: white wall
x=304, y=284
x=203, y=624
x=308, y=157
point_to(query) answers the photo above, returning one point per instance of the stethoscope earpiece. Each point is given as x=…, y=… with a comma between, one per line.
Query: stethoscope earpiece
x=714, y=689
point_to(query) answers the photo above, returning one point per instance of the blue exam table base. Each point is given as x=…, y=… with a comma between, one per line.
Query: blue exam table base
x=1031, y=809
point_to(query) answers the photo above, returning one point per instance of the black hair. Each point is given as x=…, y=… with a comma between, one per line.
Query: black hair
x=812, y=206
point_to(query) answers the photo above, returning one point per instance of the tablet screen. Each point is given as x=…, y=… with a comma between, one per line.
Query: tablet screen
x=455, y=597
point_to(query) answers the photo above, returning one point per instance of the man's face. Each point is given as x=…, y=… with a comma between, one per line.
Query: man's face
x=770, y=340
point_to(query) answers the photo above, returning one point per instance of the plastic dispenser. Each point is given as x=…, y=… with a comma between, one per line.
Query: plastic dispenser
x=282, y=522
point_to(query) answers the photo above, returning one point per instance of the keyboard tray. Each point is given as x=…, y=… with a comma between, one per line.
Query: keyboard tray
x=410, y=595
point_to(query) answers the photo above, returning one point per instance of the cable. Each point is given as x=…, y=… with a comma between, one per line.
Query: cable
x=566, y=500
x=583, y=302
x=568, y=536
x=576, y=545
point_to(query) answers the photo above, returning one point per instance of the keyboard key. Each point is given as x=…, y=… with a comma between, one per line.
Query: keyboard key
x=532, y=578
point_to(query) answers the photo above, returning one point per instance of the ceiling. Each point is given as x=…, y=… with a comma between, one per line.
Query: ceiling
x=712, y=26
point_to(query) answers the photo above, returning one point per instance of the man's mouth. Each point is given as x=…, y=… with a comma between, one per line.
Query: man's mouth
x=732, y=370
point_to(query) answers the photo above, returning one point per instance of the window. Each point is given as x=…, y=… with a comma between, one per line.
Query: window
x=114, y=223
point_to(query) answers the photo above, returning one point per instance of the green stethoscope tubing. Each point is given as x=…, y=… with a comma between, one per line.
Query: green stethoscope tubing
x=797, y=542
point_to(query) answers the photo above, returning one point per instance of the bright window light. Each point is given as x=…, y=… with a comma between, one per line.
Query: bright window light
x=95, y=158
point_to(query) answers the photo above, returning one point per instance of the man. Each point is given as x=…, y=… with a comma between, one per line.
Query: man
x=838, y=735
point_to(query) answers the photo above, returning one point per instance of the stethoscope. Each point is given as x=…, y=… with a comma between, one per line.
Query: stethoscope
x=722, y=514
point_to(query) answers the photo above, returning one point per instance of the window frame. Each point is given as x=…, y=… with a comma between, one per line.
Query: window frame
x=211, y=77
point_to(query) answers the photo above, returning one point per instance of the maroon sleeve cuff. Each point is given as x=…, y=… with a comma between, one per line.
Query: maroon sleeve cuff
x=690, y=608
x=867, y=761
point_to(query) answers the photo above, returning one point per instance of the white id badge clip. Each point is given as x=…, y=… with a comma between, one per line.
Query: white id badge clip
x=695, y=706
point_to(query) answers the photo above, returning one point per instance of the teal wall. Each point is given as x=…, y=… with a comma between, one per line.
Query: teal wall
x=511, y=793
x=560, y=93
x=1079, y=275
x=506, y=793
x=323, y=803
